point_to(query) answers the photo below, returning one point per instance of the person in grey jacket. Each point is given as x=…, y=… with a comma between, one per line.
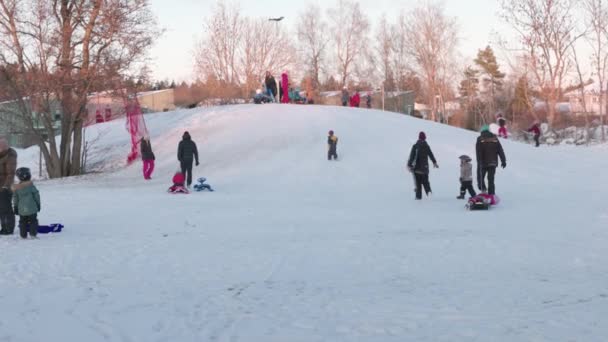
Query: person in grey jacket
x=345, y=97
x=466, y=177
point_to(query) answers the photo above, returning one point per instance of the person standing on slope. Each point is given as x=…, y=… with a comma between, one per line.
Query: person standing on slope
x=186, y=154
x=271, y=86
x=332, y=146
x=535, y=129
x=502, y=124
x=345, y=96
x=8, y=166
x=147, y=156
x=488, y=149
x=418, y=163
x=368, y=100
x=355, y=101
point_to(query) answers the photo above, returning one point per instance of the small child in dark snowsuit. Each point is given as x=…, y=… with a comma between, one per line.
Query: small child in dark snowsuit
x=27, y=203
x=466, y=177
x=332, y=145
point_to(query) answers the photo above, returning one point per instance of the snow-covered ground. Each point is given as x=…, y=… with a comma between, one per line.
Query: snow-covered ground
x=292, y=247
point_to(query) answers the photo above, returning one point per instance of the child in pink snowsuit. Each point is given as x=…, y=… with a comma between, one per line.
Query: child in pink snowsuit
x=147, y=156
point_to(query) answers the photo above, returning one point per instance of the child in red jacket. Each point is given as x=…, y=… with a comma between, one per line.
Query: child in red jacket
x=535, y=129
x=178, y=184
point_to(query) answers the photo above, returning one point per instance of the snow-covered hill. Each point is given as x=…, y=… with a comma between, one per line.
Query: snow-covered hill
x=292, y=247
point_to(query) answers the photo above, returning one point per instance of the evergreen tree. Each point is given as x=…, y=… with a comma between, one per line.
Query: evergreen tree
x=492, y=76
x=469, y=89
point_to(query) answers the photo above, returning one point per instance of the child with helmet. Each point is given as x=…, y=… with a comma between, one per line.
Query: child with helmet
x=26, y=203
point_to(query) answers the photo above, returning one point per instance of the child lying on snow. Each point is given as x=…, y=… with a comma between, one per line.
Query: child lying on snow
x=178, y=184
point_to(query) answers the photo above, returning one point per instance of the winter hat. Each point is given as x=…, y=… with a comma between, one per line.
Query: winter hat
x=186, y=135
x=331, y=132
x=485, y=128
x=465, y=158
x=421, y=136
x=23, y=174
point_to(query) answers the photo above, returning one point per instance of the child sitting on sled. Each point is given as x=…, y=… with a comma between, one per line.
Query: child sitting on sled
x=178, y=184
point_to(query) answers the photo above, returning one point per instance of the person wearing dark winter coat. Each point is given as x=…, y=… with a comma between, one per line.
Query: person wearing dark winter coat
x=418, y=163
x=345, y=97
x=488, y=150
x=332, y=146
x=27, y=203
x=368, y=101
x=271, y=86
x=147, y=156
x=187, y=153
x=8, y=164
x=466, y=177
x=535, y=129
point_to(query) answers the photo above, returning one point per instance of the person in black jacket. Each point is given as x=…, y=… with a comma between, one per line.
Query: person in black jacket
x=271, y=86
x=186, y=154
x=488, y=150
x=418, y=163
x=147, y=156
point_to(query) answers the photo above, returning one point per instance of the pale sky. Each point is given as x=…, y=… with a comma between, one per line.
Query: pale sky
x=183, y=21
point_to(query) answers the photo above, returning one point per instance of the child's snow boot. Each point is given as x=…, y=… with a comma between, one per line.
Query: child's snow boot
x=460, y=197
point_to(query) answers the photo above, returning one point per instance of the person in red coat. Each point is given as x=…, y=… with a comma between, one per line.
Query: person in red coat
x=535, y=129
x=355, y=100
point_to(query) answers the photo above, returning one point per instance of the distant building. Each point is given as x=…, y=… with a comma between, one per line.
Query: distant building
x=101, y=107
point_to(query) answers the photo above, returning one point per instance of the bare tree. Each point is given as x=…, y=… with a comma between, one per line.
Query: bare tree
x=237, y=51
x=263, y=48
x=582, y=91
x=312, y=34
x=217, y=53
x=53, y=53
x=431, y=38
x=349, y=27
x=596, y=14
x=385, y=50
x=546, y=29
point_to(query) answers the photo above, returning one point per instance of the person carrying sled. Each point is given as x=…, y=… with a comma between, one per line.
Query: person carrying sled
x=535, y=129
x=8, y=165
x=27, y=203
x=418, y=163
x=466, y=177
x=488, y=150
x=345, y=97
x=332, y=146
x=187, y=153
x=147, y=156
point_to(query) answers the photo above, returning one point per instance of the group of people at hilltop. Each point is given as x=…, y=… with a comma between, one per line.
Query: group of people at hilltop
x=355, y=99
x=21, y=199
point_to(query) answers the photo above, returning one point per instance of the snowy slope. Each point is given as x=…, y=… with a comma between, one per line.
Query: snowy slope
x=295, y=248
